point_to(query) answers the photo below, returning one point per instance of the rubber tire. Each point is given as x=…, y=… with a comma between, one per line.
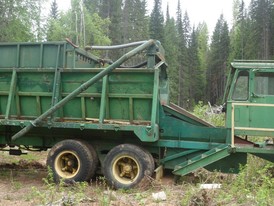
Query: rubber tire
x=87, y=158
x=95, y=160
x=141, y=157
x=150, y=164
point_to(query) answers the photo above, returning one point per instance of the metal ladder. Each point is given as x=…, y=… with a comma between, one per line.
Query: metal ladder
x=202, y=160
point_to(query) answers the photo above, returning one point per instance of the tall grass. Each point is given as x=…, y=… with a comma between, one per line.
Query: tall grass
x=254, y=185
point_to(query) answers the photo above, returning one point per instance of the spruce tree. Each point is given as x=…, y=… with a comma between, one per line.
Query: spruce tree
x=238, y=32
x=135, y=21
x=54, y=10
x=112, y=10
x=171, y=54
x=156, y=24
x=202, y=35
x=260, y=38
x=181, y=42
x=186, y=63
x=217, y=62
x=93, y=6
x=141, y=20
x=203, y=50
x=196, y=82
x=186, y=29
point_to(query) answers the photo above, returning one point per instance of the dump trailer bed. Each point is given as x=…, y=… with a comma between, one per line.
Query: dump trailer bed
x=98, y=115
x=34, y=92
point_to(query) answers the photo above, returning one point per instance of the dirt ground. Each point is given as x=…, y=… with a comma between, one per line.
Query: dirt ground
x=23, y=182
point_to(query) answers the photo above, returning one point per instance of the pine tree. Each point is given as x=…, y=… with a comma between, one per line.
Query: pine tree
x=93, y=6
x=260, y=38
x=186, y=63
x=181, y=42
x=52, y=22
x=202, y=33
x=54, y=10
x=116, y=21
x=141, y=22
x=135, y=21
x=186, y=29
x=112, y=9
x=196, y=83
x=134, y=26
x=217, y=63
x=156, y=24
x=203, y=50
x=171, y=51
x=238, y=32
x=104, y=10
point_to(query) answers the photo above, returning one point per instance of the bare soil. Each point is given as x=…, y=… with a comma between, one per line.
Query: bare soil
x=19, y=176
x=22, y=182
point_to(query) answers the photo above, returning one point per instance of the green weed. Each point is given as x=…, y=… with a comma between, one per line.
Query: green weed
x=202, y=111
x=254, y=185
x=60, y=193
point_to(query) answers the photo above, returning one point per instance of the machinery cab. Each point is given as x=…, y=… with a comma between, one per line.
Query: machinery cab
x=249, y=98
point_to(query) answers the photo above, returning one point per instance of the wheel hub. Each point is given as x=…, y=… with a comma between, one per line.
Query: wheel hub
x=67, y=164
x=126, y=169
x=70, y=163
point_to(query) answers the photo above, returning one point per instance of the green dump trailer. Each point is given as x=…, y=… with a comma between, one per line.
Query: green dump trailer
x=95, y=115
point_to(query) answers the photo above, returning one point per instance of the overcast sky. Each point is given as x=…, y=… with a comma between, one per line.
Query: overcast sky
x=198, y=10
x=202, y=10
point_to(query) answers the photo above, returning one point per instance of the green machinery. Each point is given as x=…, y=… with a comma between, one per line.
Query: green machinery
x=98, y=115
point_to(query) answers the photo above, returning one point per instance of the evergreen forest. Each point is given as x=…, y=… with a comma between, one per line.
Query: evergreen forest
x=198, y=61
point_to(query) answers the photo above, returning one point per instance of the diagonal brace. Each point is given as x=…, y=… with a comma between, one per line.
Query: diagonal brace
x=83, y=87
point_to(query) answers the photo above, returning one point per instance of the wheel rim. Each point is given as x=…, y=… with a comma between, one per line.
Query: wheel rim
x=67, y=164
x=125, y=169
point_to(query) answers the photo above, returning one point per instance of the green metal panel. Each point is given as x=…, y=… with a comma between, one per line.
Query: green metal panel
x=125, y=98
x=53, y=58
x=141, y=108
x=45, y=55
x=229, y=164
x=253, y=116
x=5, y=79
x=29, y=56
x=8, y=57
x=175, y=128
x=92, y=107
